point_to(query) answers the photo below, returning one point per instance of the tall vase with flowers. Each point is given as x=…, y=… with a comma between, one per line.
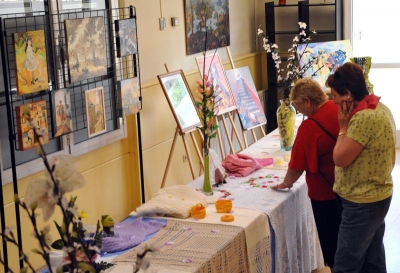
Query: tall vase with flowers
x=286, y=114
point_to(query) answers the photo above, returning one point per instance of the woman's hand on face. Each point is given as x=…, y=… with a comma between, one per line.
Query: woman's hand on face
x=344, y=113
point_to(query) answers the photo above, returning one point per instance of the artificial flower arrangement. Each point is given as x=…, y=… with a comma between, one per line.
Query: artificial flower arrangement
x=294, y=69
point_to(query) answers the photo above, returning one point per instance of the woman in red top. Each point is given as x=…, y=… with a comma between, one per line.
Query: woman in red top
x=312, y=152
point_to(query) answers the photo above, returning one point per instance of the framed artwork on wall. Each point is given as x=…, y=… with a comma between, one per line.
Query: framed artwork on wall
x=62, y=115
x=126, y=39
x=206, y=15
x=86, y=48
x=38, y=113
x=329, y=56
x=30, y=61
x=95, y=111
x=129, y=96
x=213, y=68
x=180, y=100
x=250, y=110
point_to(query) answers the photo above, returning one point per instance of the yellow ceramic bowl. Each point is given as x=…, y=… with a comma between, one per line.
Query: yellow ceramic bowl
x=198, y=211
x=223, y=206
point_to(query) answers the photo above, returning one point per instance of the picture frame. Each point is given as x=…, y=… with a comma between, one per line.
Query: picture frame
x=86, y=48
x=62, y=114
x=212, y=66
x=129, y=100
x=329, y=56
x=250, y=109
x=126, y=38
x=95, y=111
x=38, y=114
x=30, y=61
x=180, y=100
x=211, y=16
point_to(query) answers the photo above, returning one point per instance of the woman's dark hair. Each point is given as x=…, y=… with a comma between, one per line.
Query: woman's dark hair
x=350, y=77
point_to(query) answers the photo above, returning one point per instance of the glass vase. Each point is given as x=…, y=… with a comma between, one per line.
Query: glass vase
x=365, y=63
x=286, y=116
x=207, y=188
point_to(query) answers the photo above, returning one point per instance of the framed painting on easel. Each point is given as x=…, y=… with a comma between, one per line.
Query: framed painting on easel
x=95, y=111
x=212, y=66
x=179, y=98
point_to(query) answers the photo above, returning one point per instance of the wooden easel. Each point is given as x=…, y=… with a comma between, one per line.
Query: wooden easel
x=182, y=134
x=252, y=130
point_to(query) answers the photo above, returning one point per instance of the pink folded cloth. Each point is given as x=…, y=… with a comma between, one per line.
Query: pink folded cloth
x=240, y=164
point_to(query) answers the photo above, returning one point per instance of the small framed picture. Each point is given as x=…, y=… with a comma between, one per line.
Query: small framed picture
x=126, y=39
x=62, y=115
x=95, y=111
x=129, y=96
x=180, y=100
x=37, y=112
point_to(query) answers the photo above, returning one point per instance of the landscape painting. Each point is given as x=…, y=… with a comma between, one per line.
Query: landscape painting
x=129, y=99
x=30, y=61
x=26, y=135
x=86, y=48
x=95, y=111
x=62, y=115
x=206, y=16
x=126, y=39
x=328, y=56
x=250, y=109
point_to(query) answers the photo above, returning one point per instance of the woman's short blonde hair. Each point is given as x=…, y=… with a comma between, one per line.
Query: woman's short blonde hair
x=307, y=88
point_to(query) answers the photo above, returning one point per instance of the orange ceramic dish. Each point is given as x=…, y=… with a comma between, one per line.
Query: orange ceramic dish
x=198, y=211
x=227, y=218
x=223, y=206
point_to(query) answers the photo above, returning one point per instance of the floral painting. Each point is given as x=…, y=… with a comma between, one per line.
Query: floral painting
x=62, y=115
x=126, y=39
x=206, y=16
x=129, y=99
x=37, y=113
x=30, y=61
x=86, y=48
x=213, y=68
x=250, y=110
x=328, y=56
x=95, y=111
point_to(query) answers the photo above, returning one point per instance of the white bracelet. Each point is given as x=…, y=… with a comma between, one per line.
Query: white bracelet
x=289, y=186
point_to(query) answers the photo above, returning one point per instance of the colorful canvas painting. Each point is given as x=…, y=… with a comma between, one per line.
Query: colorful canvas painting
x=95, y=111
x=129, y=99
x=86, y=48
x=126, y=39
x=211, y=16
x=328, y=57
x=180, y=100
x=62, y=115
x=250, y=110
x=38, y=114
x=216, y=74
x=30, y=61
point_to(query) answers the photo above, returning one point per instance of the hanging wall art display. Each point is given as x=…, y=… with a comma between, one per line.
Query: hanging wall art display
x=126, y=39
x=86, y=48
x=206, y=15
x=213, y=68
x=62, y=115
x=95, y=111
x=328, y=57
x=248, y=103
x=30, y=61
x=38, y=113
x=129, y=96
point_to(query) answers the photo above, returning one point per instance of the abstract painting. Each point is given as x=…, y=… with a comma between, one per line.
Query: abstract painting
x=62, y=115
x=212, y=66
x=126, y=39
x=86, y=48
x=30, y=61
x=328, y=56
x=129, y=99
x=250, y=110
x=37, y=112
x=95, y=111
x=206, y=16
